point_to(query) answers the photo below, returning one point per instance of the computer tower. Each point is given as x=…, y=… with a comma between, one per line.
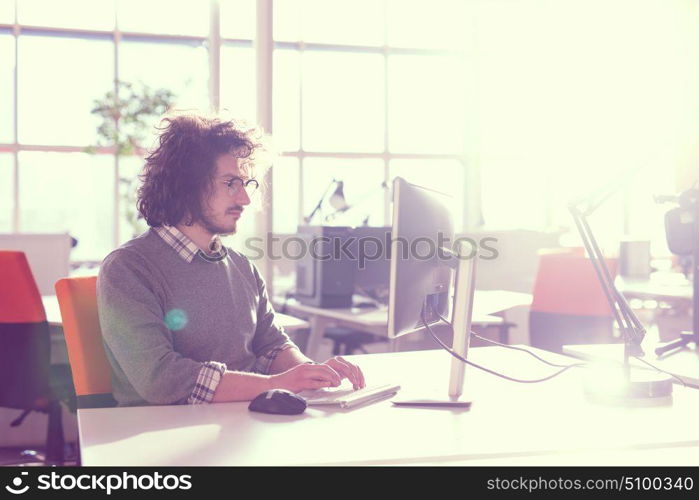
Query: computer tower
x=324, y=273
x=372, y=247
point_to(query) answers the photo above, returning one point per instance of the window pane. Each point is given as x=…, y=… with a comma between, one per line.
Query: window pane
x=55, y=84
x=7, y=12
x=69, y=192
x=362, y=189
x=579, y=177
x=343, y=101
x=356, y=22
x=238, y=93
x=437, y=24
x=85, y=14
x=287, y=20
x=287, y=102
x=6, y=198
x=7, y=93
x=425, y=104
x=446, y=176
x=187, y=72
x=130, y=225
x=285, y=182
x=172, y=17
x=514, y=194
x=238, y=18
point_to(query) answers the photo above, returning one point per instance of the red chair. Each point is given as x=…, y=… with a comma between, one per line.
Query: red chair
x=28, y=381
x=569, y=305
x=92, y=376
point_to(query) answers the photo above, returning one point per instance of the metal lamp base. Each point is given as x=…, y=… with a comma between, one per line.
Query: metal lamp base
x=639, y=388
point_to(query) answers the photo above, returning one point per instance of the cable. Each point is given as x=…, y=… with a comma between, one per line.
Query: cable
x=662, y=371
x=470, y=363
x=534, y=355
x=684, y=384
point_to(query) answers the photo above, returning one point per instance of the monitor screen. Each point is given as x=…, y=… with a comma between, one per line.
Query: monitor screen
x=422, y=225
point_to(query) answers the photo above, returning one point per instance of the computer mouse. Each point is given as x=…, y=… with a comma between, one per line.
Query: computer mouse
x=278, y=402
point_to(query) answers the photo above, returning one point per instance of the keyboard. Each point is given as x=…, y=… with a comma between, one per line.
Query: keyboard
x=347, y=398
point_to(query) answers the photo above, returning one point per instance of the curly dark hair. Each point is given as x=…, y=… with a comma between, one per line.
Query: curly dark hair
x=179, y=172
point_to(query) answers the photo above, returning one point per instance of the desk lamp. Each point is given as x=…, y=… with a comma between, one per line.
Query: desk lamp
x=367, y=196
x=336, y=200
x=627, y=386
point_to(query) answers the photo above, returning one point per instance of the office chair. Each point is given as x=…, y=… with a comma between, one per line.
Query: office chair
x=77, y=299
x=28, y=381
x=569, y=305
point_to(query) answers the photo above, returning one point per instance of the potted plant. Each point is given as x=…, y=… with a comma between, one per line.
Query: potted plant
x=127, y=117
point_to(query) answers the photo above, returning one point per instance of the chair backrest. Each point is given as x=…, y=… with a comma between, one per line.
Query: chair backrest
x=25, y=346
x=566, y=283
x=569, y=305
x=77, y=299
x=20, y=301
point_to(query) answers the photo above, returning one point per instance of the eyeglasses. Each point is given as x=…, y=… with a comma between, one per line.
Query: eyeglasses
x=236, y=184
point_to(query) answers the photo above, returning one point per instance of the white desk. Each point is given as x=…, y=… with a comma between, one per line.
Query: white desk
x=683, y=363
x=486, y=304
x=508, y=423
x=53, y=311
x=669, y=287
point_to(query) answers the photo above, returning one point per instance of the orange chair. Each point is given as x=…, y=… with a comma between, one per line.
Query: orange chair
x=28, y=381
x=569, y=305
x=77, y=299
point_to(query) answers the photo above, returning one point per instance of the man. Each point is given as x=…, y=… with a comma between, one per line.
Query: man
x=186, y=320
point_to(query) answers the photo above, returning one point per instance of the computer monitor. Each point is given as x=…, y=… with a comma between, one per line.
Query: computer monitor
x=421, y=271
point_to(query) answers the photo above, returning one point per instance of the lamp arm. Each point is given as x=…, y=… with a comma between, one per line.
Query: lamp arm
x=632, y=323
x=361, y=200
x=320, y=202
x=582, y=229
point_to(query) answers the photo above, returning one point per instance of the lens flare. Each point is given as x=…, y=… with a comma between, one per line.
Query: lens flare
x=176, y=319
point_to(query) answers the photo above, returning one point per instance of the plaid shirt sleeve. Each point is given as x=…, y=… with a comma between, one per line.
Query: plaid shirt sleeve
x=264, y=362
x=207, y=382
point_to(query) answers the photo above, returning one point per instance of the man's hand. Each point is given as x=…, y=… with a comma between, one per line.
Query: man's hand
x=347, y=370
x=306, y=376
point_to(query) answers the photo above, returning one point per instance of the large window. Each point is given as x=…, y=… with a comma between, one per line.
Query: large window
x=56, y=93
x=364, y=91
x=521, y=106
x=63, y=55
x=572, y=94
x=68, y=192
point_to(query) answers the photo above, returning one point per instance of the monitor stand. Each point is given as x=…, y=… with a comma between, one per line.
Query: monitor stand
x=464, y=288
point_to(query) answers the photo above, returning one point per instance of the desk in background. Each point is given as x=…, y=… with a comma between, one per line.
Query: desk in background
x=375, y=321
x=53, y=316
x=669, y=287
x=509, y=424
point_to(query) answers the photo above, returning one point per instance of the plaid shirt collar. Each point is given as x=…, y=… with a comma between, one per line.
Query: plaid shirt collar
x=186, y=248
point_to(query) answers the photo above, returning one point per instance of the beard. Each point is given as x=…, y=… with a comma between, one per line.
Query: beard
x=213, y=227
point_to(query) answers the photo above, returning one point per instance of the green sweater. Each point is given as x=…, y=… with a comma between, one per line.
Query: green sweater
x=164, y=319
